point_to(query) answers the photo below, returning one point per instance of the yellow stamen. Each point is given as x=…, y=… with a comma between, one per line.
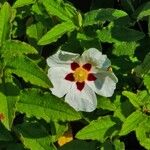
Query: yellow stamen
x=80, y=74
x=109, y=69
x=67, y=137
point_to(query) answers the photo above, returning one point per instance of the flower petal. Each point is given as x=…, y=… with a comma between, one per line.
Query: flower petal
x=57, y=77
x=96, y=58
x=105, y=83
x=84, y=100
x=61, y=58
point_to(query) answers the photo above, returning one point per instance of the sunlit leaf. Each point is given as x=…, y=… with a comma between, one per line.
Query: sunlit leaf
x=97, y=130
x=108, y=14
x=56, y=32
x=46, y=106
x=5, y=17
x=8, y=98
x=29, y=71
x=21, y=3
x=132, y=122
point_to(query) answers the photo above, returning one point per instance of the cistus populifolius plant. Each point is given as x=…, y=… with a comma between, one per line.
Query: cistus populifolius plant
x=74, y=76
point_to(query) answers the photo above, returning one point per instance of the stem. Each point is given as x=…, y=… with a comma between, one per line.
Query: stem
x=132, y=8
x=149, y=26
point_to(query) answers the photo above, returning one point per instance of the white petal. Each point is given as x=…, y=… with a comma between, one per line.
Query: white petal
x=105, y=83
x=84, y=100
x=57, y=77
x=96, y=58
x=61, y=58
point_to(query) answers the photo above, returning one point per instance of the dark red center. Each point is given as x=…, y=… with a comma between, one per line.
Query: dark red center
x=70, y=76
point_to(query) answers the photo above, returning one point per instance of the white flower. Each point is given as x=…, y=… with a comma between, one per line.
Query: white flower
x=78, y=78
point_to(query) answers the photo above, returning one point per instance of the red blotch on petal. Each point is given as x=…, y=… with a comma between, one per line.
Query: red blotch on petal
x=87, y=66
x=70, y=77
x=1, y=116
x=91, y=77
x=80, y=85
x=74, y=66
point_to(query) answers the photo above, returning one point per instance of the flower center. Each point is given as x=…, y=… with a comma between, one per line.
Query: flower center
x=80, y=74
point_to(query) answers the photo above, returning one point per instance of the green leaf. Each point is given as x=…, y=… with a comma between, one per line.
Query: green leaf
x=143, y=132
x=97, y=130
x=5, y=135
x=34, y=136
x=125, y=48
x=35, y=31
x=45, y=106
x=88, y=41
x=133, y=98
x=132, y=122
x=119, y=145
x=5, y=18
x=126, y=34
x=8, y=98
x=29, y=71
x=142, y=11
x=108, y=14
x=15, y=146
x=13, y=48
x=56, y=32
x=144, y=68
x=147, y=82
x=119, y=34
x=21, y=3
x=123, y=108
x=105, y=103
x=59, y=9
x=79, y=145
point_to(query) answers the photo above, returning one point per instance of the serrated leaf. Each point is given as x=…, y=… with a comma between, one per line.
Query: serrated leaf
x=147, y=82
x=56, y=32
x=35, y=31
x=142, y=11
x=132, y=122
x=144, y=68
x=108, y=14
x=45, y=106
x=34, y=136
x=125, y=48
x=142, y=133
x=58, y=8
x=105, y=35
x=114, y=34
x=126, y=34
x=29, y=71
x=5, y=17
x=8, y=98
x=121, y=110
x=13, y=48
x=97, y=129
x=21, y=3
x=105, y=103
x=133, y=98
